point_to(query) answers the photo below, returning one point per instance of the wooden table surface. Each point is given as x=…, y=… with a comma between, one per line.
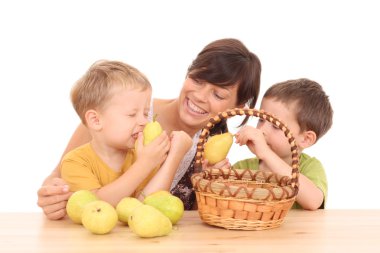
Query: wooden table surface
x=302, y=231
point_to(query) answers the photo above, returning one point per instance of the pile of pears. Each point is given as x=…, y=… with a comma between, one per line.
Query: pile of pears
x=153, y=217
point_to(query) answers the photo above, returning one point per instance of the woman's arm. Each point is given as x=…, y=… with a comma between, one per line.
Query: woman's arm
x=54, y=192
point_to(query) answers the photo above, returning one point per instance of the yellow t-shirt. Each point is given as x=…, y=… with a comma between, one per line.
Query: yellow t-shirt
x=82, y=169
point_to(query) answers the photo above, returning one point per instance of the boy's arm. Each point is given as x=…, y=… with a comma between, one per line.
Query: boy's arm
x=309, y=196
x=180, y=144
x=148, y=158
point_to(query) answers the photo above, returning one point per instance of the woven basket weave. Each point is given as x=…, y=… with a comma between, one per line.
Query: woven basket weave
x=244, y=199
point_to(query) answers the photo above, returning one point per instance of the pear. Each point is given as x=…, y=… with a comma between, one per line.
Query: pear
x=125, y=208
x=151, y=131
x=217, y=147
x=147, y=221
x=76, y=203
x=170, y=205
x=99, y=217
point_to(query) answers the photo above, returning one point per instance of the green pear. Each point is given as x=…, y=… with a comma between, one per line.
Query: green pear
x=125, y=208
x=216, y=148
x=151, y=131
x=147, y=221
x=76, y=203
x=170, y=205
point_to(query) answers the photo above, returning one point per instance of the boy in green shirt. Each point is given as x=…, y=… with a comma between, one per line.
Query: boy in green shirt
x=305, y=108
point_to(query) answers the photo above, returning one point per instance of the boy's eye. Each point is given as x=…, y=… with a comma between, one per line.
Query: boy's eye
x=131, y=115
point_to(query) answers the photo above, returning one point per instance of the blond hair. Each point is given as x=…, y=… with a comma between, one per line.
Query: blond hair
x=95, y=87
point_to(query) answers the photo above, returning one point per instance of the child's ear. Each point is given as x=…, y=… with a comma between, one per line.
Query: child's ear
x=308, y=138
x=93, y=120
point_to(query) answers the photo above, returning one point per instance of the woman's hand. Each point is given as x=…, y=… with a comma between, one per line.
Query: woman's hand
x=52, y=198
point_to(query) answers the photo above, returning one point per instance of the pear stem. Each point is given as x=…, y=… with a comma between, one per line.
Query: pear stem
x=154, y=117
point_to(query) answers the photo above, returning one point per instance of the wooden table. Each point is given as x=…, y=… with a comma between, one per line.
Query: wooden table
x=302, y=231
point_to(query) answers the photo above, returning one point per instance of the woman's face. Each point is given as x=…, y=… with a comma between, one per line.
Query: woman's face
x=199, y=101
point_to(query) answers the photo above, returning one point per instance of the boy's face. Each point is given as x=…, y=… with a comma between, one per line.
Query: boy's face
x=274, y=136
x=124, y=116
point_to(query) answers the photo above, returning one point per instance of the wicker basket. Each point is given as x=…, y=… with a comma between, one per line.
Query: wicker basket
x=244, y=199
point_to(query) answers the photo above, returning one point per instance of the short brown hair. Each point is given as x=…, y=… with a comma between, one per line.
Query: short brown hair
x=314, y=111
x=95, y=87
x=228, y=62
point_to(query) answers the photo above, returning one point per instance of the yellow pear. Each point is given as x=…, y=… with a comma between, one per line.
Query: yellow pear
x=76, y=203
x=99, y=217
x=125, y=208
x=217, y=147
x=147, y=221
x=151, y=131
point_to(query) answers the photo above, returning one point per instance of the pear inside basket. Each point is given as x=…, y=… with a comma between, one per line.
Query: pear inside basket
x=244, y=199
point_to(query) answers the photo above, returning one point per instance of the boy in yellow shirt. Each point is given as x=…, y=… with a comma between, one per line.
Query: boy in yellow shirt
x=112, y=100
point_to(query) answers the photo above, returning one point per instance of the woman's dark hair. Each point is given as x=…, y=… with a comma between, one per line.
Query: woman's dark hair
x=228, y=62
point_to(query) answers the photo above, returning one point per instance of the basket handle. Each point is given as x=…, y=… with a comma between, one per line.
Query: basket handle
x=262, y=115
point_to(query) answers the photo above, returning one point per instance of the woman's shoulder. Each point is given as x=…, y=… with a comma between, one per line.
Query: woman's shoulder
x=161, y=102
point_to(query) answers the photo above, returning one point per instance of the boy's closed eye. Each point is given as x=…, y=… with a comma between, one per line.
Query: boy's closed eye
x=261, y=122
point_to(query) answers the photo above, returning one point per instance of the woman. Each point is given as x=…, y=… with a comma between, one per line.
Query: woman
x=224, y=75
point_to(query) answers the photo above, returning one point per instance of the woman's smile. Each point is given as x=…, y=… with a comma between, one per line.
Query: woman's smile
x=194, y=109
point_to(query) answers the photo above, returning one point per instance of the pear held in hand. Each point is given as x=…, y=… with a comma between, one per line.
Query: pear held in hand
x=217, y=147
x=151, y=131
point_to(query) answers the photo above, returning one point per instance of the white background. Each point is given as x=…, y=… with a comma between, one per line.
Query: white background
x=46, y=46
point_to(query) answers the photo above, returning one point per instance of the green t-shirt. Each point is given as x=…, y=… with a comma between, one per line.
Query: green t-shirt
x=310, y=167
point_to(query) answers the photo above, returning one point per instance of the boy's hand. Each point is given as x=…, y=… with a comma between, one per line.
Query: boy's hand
x=155, y=153
x=254, y=139
x=181, y=142
x=224, y=164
